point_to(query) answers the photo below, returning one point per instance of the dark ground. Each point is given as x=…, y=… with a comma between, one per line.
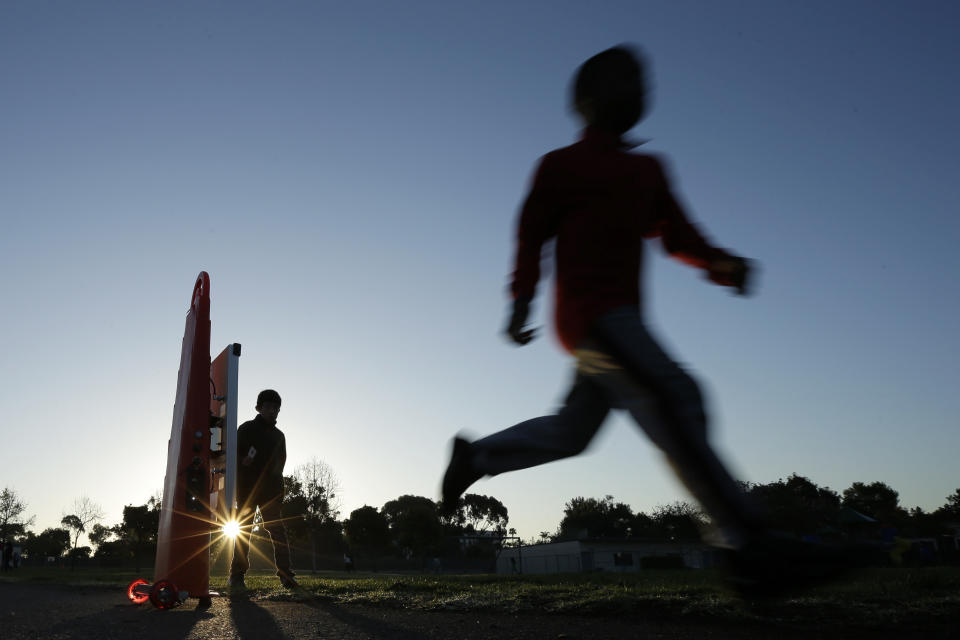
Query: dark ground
x=59, y=612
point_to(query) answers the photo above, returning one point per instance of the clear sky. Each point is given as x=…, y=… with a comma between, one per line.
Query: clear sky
x=349, y=174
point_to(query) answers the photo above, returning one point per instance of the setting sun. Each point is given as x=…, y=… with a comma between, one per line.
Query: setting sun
x=231, y=529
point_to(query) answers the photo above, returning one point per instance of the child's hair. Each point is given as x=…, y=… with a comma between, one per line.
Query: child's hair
x=609, y=90
x=267, y=395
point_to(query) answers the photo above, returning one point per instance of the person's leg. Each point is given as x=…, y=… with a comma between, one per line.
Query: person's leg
x=547, y=438
x=240, y=562
x=272, y=512
x=241, y=544
x=527, y=444
x=667, y=403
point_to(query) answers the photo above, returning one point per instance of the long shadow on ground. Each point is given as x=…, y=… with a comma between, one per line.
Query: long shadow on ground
x=366, y=624
x=252, y=621
x=58, y=611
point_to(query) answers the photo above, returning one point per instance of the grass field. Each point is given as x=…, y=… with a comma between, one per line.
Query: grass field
x=874, y=597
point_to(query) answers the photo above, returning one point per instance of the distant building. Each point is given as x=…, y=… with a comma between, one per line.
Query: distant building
x=474, y=538
x=603, y=554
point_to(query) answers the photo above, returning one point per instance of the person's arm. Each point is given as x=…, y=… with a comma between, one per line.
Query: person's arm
x=536, y=224
x=243, y=446
x=682, y=240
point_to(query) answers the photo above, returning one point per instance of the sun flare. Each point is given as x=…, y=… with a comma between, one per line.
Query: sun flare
x=231, y=529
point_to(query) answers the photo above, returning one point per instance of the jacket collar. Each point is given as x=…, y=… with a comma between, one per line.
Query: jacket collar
x=261, y=421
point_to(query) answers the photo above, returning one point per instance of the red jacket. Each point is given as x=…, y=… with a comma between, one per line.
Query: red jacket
x=600, y=202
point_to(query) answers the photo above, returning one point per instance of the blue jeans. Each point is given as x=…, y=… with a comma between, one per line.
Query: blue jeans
x=621, y=366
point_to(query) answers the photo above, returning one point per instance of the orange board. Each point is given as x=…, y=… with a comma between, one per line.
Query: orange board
x=183, y=540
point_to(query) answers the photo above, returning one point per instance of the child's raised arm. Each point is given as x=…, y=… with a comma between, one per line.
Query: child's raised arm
x=683, y=240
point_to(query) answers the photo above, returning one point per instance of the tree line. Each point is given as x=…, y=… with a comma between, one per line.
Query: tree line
x=794, y=505
x=407, y=526
x=411, y=526
x=55, y=542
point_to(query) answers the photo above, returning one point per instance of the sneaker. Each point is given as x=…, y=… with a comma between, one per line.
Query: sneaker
x=288, y=581
x=236, y=582
x=459, y=476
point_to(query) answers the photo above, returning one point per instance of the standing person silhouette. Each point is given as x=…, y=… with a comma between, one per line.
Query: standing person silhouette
x=262, y=451
x=600, y=202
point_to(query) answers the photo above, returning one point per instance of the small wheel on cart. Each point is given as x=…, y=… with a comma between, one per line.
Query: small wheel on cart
x=138, y=591
x=164, y=595
x=205, y=603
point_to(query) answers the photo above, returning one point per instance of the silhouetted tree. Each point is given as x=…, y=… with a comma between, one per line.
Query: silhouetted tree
x=643, y=526
x=51, y=543
x=678, y=521
x=312, y=493
x=952, y=507
x=478, y=514
x=85, y=512
x=137, y=534
x=79, y=553
x=597, y=518
x=876, y=500
x=294, y=508
x=367, y=531
x=921, y=524
x=99, y=535
x=12, y=524
x=414, y=523
x=367, y=528
x=941, y=521
x=796, y=504
x=74, y=524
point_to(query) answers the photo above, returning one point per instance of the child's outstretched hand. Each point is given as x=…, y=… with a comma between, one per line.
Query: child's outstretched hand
x=516, y=329
x=732, y=271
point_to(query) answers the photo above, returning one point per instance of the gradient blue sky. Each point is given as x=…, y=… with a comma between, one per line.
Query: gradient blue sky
x=349, y=175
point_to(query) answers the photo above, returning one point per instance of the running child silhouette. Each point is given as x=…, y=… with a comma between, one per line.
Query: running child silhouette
x=601, y=202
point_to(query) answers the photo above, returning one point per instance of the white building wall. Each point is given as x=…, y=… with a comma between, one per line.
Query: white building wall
x=559, y=557
x=575, y=556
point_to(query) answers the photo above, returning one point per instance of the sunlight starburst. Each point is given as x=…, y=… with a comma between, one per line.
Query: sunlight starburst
x=231, y=529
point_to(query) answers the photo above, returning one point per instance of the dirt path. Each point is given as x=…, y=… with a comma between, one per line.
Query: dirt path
x=29, y=611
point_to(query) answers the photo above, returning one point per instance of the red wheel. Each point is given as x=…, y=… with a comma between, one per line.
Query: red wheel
x=138, y=591
x=164, y=595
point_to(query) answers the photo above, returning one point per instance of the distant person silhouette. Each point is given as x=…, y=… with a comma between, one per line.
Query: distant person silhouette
x=600, y=201
x=262, y=451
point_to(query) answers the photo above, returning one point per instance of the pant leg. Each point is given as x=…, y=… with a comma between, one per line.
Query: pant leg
x=241, y=550
x=547, y=438
x=666, y=402
x=272, y=511
x=241, y=544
